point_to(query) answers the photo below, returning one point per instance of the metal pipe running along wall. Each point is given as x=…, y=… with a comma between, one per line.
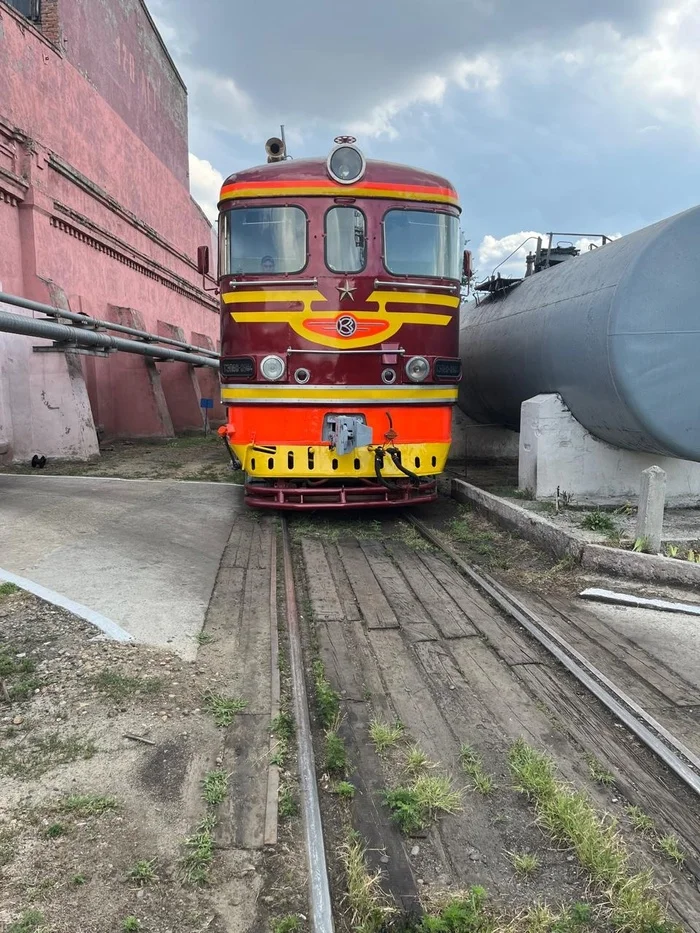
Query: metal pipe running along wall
x=77, y=337
x=86, y=321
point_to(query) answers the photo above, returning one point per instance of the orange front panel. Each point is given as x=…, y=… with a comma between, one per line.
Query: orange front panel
x=287, y=424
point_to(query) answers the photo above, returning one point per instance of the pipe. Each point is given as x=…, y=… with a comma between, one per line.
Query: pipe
x=77, y=337
x=96, y=322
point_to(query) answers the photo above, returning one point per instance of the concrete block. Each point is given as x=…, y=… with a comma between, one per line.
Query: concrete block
x=474, y=441
x=557, y=451
x=650, y=512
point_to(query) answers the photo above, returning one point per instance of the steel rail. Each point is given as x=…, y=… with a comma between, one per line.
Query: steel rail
x=93, y=322
x=648, y=730
x=68, y=338
x=319, y=890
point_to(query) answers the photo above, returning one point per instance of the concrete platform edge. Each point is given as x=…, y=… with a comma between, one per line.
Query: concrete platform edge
x=596, y=557
x=105, y=625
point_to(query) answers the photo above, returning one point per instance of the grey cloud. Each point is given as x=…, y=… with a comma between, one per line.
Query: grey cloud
x=335, y=61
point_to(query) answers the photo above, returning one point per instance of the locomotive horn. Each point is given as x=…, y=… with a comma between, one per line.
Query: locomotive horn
x=275, y=149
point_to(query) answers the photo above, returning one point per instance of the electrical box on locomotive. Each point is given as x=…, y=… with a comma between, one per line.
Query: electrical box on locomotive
x=340, y=283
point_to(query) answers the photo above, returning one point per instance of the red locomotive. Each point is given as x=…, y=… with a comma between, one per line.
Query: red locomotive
x=340, y=285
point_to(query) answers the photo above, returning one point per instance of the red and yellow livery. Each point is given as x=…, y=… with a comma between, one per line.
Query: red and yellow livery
x=340, y=286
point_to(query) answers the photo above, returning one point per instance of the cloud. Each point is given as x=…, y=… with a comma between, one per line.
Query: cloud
x=361, y=66
x=512, y=249
x=205, y=185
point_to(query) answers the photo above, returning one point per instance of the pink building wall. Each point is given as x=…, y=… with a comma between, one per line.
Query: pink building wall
x=94, y=195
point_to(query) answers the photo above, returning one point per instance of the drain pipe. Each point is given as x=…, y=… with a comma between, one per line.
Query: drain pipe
x=85, y=321
x=78, y=337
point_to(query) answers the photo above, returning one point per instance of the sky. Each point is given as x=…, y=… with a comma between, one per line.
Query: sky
x=582, y=117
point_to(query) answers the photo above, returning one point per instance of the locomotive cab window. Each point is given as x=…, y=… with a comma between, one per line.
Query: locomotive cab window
x=422, y=243
x=262, y=241
x=346, y=239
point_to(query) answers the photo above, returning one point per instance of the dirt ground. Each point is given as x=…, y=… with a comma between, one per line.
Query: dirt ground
x=189, y=457
x=104, y=748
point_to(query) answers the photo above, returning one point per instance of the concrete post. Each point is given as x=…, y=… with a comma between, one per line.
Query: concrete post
x=650, y=514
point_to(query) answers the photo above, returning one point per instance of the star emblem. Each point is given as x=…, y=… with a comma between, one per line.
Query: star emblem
x=345, y=290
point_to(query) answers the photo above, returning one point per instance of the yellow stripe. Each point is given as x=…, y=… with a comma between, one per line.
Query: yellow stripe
x=308, y=296
x=319, y=393
x=345, y=465
x=346, y=192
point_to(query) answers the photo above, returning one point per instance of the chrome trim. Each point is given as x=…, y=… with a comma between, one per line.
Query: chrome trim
x=399, y=352
x=424, y=285
x=278, y=283
x=346, y=181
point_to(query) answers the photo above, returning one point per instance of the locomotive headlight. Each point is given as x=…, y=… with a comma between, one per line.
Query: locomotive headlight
x=272, y=368
x=346, y=164
x=417, y=369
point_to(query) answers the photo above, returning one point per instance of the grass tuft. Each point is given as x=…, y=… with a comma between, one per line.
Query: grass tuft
x=525, y=863
x=38, y=755
x=417, y=762
x=203, y=638
x=335, y=761
x=598, y=771
x=327, y=700
x=436, y=794
x=463, y=530
x=79, y=880
x=87, y=804
x=385, y=735
x=289, y=924
x=598, y=520
x=474, y=767
x=143, y=872
x=406, y=811
x=223, y=709
x=29, y=922
x=56, y=830
x=215, y=787
x=670, y=846
x=287, y=806
x=131, y=925
x=199, y=853
x=570, y=818
x=465, y=913
x=640, y=820
x=369, y=906
x=345, y=790
x=117, y=686
x=7, y=589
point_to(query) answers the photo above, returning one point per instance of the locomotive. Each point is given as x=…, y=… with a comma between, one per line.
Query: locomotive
x=340, y=281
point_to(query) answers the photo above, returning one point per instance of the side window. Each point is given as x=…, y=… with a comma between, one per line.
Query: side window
x=346, y=239
x=224, y=243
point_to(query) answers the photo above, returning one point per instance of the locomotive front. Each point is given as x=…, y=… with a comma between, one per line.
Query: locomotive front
x=340, y=289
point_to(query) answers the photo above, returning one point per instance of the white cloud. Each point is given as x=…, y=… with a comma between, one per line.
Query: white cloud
x=514, y=247
x=205, y=185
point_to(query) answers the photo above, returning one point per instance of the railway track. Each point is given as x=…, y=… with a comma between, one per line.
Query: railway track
x=388, y=608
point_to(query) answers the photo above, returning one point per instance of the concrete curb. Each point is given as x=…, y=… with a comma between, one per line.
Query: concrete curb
x=597, y=557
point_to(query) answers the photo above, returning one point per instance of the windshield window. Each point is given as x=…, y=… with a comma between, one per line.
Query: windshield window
x=263, y=240
x=422, y=243
x=346, y=240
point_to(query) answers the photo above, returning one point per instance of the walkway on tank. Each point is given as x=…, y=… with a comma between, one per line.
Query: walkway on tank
x=141, y=554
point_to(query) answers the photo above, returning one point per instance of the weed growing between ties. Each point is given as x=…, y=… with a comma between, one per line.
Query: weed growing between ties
x=199, y=853
x=215, y=787
x=524, y=863
x=385, y=735
x=369, y=906
x=463, y=529
x=570, y=818
x=289, y=924
x=640, y=820
x=336, y=759
x=223, y=709
x=282, y=729
x=598, y=772
x=334, y=530
x=474, y=767
x=327, y=700
x=287, y=806
x=143, y=872
x=670, y=846
x=345, y=790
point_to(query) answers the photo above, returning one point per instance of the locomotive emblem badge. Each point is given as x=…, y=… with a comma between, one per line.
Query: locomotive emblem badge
x=346, y=325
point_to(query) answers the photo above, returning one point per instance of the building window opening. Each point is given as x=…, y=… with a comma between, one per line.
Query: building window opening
x=29, y=8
